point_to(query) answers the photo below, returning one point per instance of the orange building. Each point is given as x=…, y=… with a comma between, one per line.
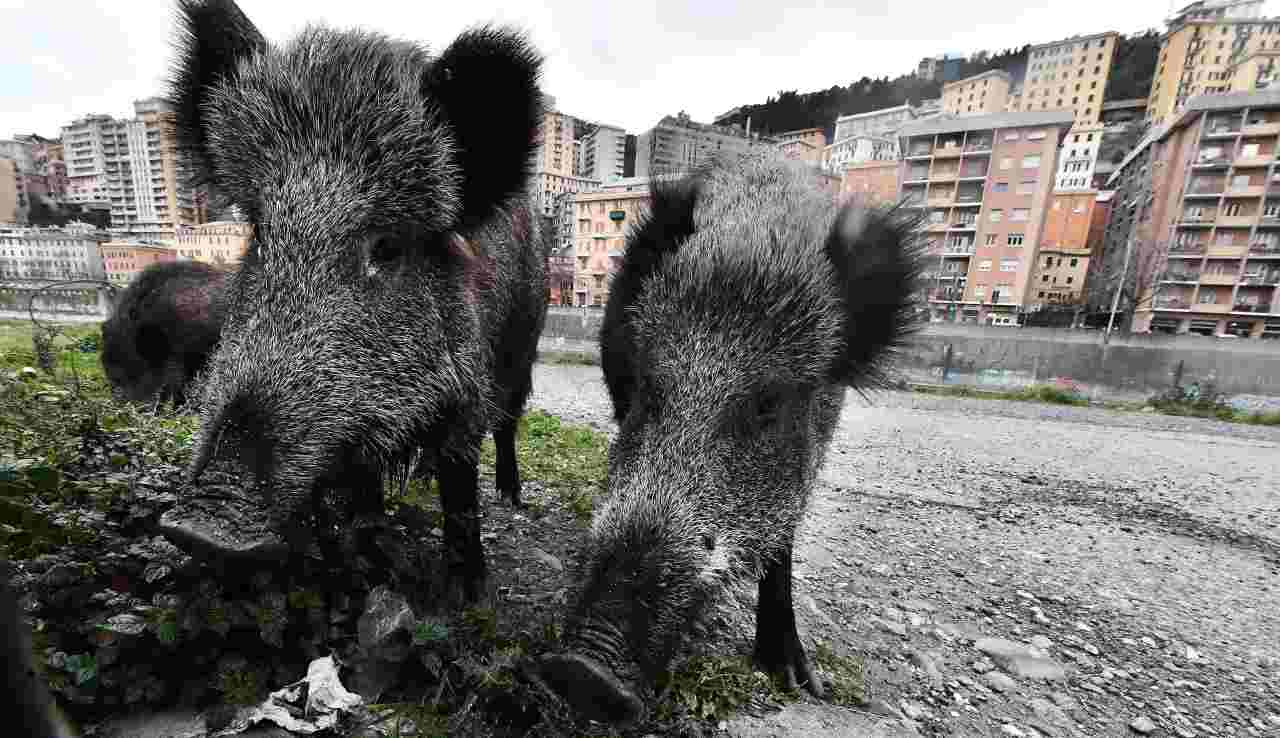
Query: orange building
x=982, y=93
x=123, y=260
x=599, y=239
x=1074, y=228
x=804, y=145
x=871, y=182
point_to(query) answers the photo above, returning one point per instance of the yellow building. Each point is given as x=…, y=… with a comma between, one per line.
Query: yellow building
x=10, y=187
x=1257, y=71
x=221, y=243
x=556, y=153
x=1070, y=74
x=124, y=260
x=982, y=93
x=601, y=221
x=1208, y=56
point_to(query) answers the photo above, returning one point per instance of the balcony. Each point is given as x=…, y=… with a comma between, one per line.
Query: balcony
x=957, y=249
x=1269, y=221
x=1175, y=276
x=937, y=226
x=1182, y=250
x=941, y=201
x=1211, y=160
x=1206, y=188
x=919, y=175
x=1236, y=221
x=968, y=199
x=973, y=173
x=1254, y=160
x=1250, y=307
x=1171, y=303
x=1218, y=279
x=919, y=152
x=1222, y=131
x=1261, y=128
x=944, y=175
x=976, y=147
x=1264, y=250
x=1228, y=250
x=964, y=225
x=948, y=150
x=1213, y=307
x=1261, y=279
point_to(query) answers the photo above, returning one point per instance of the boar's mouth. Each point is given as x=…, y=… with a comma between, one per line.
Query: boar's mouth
x=591, y=688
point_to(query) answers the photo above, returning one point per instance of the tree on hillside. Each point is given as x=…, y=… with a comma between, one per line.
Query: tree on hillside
x=1146, y=262
x=1133, y=67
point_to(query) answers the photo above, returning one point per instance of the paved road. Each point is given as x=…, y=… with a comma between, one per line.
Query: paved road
x=1145, y=548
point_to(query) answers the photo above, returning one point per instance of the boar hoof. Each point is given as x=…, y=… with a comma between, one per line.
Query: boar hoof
x=789, y=664
x=591, y=689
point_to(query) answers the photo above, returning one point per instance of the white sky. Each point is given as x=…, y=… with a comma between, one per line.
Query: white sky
x=622, y=63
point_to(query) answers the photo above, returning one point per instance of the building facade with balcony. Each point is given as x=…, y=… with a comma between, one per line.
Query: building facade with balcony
x=984, y=184
x=123, y=260
x=33, y=258
x=220, y=243
x=678, y=144
x=870, y=182
x=602, y=223
x=805, y=145
x=857, y=149
x=1074, y=231
x=603, y=151
x=879, y=123
x=977, y=95
x=84, y=144
x=1221, y=240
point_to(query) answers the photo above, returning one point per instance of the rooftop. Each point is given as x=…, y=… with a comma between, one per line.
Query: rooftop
x=954, y=124
x=1223, y=101
x=1073, y=39
x=983, y=75
x=881, y=111
x=1137, y=102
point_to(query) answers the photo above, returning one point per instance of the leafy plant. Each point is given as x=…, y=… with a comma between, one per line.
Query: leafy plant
x=712, y=687
x=429, y=631
x=845, y=683
x=82, y=667
x=570, y=460
x=238, y=687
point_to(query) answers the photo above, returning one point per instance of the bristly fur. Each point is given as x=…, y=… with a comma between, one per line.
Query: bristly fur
x=390, y=303
x=163, y=328
x=746, y=304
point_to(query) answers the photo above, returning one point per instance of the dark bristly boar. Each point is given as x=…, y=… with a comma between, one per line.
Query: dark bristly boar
x=746, y=304
x=162, y=330
x=393, y=294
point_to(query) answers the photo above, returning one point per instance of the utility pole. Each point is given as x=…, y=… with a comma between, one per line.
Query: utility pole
x=1124, y=270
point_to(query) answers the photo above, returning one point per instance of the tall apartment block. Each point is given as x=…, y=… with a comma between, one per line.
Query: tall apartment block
x=555, y=152
x=1072, y=74
x=84, y=151
x=1216, y=211
x=982, y=93
x=985, y=182
x=603, y=153
x=676, y=144
x=1203, y=48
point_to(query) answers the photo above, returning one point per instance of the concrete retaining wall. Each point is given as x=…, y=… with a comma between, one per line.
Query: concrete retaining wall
x=1133, y=365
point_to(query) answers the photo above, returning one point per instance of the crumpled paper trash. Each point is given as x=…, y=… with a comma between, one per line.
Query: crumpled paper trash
x=305, y=707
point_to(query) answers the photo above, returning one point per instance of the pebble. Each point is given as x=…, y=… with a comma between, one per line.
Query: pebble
x=1041, y=642
x=1142, y=724
x=999, y=681
x=913, y=710
x=1020, y=660
x=1011, y=729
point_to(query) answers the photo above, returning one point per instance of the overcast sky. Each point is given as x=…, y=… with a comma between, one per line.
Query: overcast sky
x=621, y=63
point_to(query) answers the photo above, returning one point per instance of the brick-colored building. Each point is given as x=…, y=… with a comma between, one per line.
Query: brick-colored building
x=805, y=145
x=1074, y=229
x=1216, y=219
x=221, y=243
x=982, y=93
x=871, y=182
x=602, y=221
x=123, y=260
x=985, y=182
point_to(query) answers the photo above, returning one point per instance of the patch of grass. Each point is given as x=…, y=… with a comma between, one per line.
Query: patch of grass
x=571, y=460
x=568, y=358
x=712, y=687
x=411, y=719
x=239, y=687
x=1047, y=393
x=845, y=685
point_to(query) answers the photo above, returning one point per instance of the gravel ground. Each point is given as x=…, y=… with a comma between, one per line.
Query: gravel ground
x=1016, y=569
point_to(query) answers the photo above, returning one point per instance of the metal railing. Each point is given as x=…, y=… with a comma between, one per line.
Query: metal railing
x=1173, y=303
x=1187, y=248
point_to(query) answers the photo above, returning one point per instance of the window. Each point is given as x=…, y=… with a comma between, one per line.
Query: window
x=1006, y=163
x=984, y=265
x=1001, y=187
x=1070, y=280
x=980, y=291
x=997, y=215
x=1028, y=187
x=1208, y=297
x=1020, y=214
x=1015, y=239
x=1035, y=135
x=1031, y=161
x=1074, y=262
x=1008, y=265
x=991, y=239
x=1044, y=278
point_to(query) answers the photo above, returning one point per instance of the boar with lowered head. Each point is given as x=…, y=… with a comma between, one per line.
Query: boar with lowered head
x=162, y=330
x=746, y=304
x=391, y=299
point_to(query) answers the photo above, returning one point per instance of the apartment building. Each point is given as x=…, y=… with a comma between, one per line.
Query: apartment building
x=555, y=150
x=83, y=151
x=857, y=149
x=123, y=260
x=1204, y=51
x=1217, y=219
x=49, y=254
x=985, y=183
x=1074, y=232
x=977, y=95
x=13, y=194
x=602, y=221
x=677, y=144
x=221, y=243
x=551, y=188
x=870, y=182
x=147, y=184
x=805, y=145
x=603, y=154
x=1070, y=74
x=878, y=123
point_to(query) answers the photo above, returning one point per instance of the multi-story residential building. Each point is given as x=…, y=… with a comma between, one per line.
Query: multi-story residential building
x=927, y=68
x=1204, y=50
x=13, y=195
x=123, y=260
x=870, y=182
x=602, y=220
x=874, y=123
x=147, y=183
x=84, y=144
x=221, y=243
x=604, y=153
x=677, y=144
x=1216, y=219
x=977, y=95
x=857, y=149
x=560, y=276
x=555, y=150
x=1074, y=231
x=1014, y=102
x=1259, y=70
x=985, y=182
x=804, y=145
x=1079, y=158
x=49, y=254
x=551, y=186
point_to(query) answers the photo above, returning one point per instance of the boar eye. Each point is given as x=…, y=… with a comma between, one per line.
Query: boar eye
x=382, y=252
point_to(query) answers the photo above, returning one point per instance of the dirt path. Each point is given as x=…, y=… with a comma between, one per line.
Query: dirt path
x=1019, y=569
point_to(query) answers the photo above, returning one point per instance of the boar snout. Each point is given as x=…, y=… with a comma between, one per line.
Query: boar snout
x=591, y=688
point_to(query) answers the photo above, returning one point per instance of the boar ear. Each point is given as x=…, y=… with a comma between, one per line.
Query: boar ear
x=876, y=257
x=486, y=84
x=660, y=232
x=212, y=37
